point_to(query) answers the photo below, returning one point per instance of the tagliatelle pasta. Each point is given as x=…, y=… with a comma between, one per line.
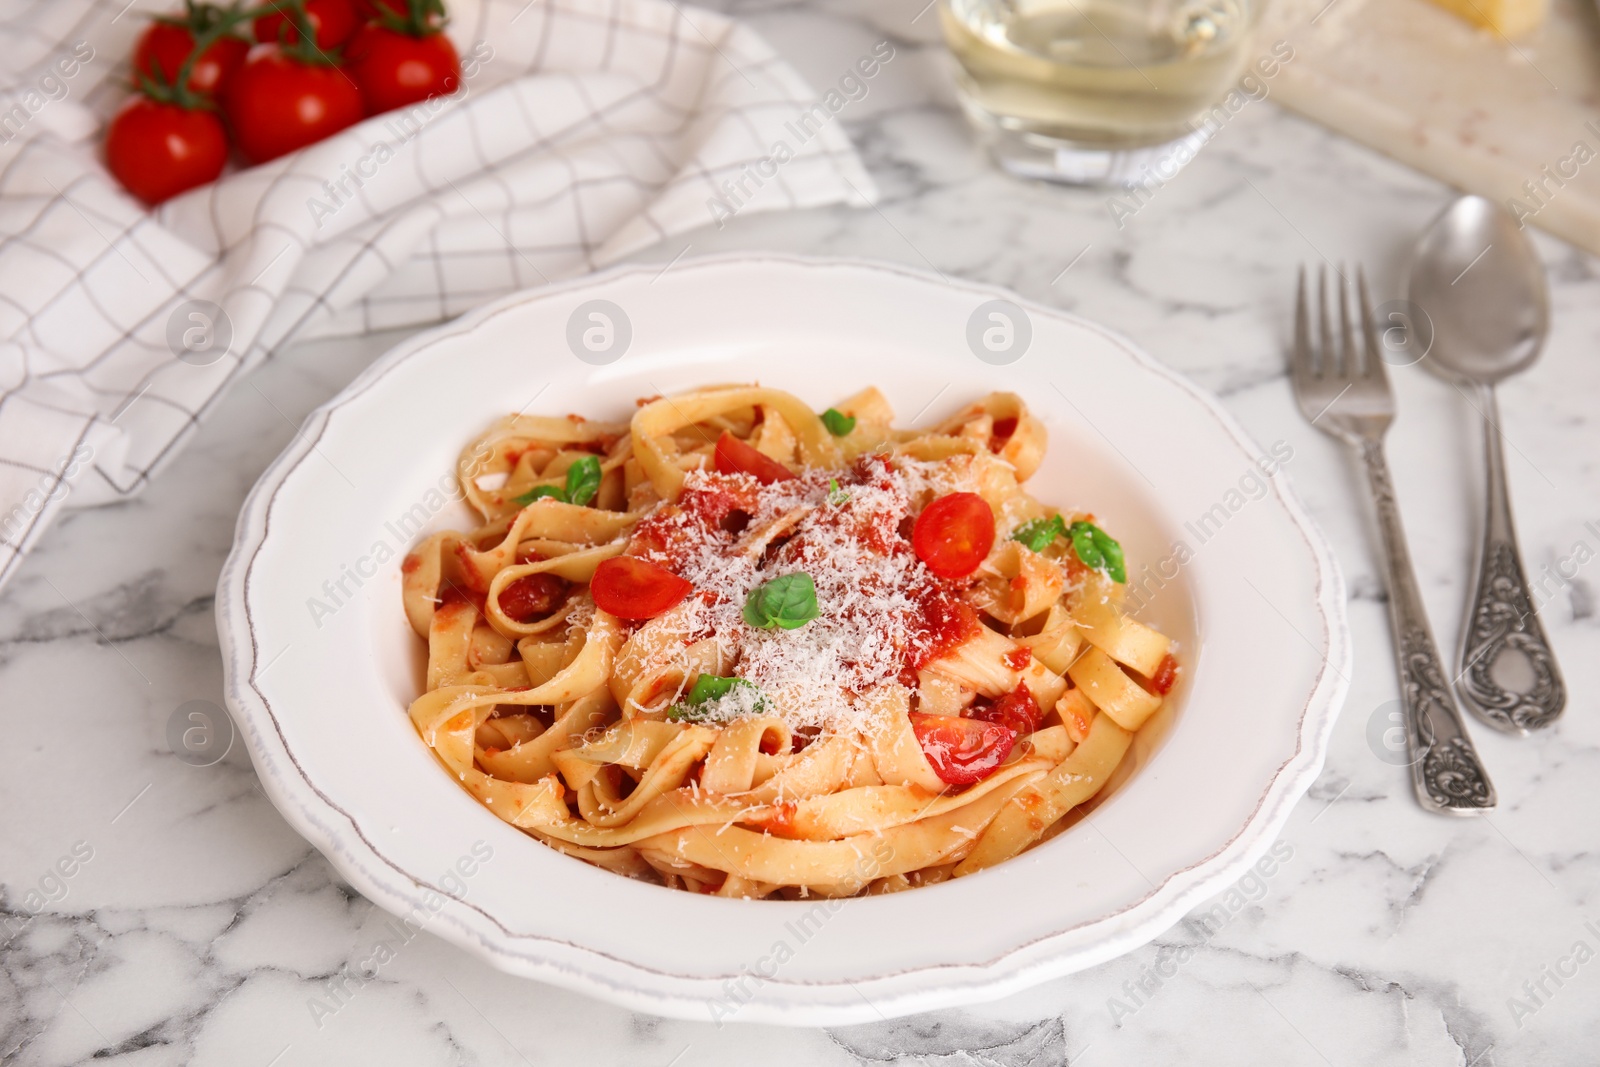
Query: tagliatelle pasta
x=738, y=647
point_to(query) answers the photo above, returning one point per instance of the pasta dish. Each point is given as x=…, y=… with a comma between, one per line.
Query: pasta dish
x=737, y=647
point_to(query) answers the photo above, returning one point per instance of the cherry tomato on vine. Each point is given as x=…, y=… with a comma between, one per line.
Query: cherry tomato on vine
x=278, y=103
x=734, y=456
x=396, y=68
x=164, y=46
x=371, y=9
x=954, y=534
x=159, y=150
x=332, y=21
x=962, y=751
x=633, y=588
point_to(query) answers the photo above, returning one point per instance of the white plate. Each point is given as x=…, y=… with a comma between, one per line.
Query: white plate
x=321, y=698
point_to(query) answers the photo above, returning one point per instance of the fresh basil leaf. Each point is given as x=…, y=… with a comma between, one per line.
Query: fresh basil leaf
x=1112, y=551
x=836, y=495
x=1038, y=533
x=583, y=480
x=1082, y=534
x=539, y=492
x=838, y=423
x=1098, y=549
x=707, y=689
x=789, y=601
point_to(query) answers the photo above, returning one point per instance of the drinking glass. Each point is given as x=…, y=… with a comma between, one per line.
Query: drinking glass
x=1096, y=91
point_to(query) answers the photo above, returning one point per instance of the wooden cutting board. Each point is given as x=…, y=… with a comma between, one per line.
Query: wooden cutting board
x=1518, y=121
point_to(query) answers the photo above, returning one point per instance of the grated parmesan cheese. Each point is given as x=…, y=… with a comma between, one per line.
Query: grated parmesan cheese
x=871, y=587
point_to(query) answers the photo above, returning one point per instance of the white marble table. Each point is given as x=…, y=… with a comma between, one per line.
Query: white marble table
x=200, y=926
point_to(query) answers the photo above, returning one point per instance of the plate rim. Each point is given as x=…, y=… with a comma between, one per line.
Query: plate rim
x=336, y=834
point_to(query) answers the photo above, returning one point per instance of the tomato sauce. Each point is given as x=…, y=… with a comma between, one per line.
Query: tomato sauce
x=1001, y=435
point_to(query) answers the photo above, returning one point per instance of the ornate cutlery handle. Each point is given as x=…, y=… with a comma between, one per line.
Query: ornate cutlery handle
x=1445, y=770
x=1501, y=616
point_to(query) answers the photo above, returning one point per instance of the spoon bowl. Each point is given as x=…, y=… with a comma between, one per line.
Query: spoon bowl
x=1480, y=282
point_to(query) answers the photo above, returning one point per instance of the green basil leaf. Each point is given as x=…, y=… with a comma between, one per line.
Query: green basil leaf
x=836, y=495
x=1082, y=534
x=1099, y=550
x=1038, y=533
x=539, y=492
x=789, y=601
x=838, y=423
x=1112, y=551
x=583, y=480
x=707, y=689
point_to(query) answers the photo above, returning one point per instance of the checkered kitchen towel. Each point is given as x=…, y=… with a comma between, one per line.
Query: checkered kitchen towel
x=586, y=129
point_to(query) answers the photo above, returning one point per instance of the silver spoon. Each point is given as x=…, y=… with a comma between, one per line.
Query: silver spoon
x=1480, y=282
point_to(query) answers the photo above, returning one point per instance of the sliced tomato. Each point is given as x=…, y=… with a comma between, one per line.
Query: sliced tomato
x=954, y=534
x=962, y=751
x=1000, y=436
x=533, y=596
x=1166, y=675
x=736, y=457
x=1016, y=710
x=633, y=588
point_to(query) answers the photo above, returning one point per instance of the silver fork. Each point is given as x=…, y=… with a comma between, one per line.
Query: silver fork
x=1344, y=390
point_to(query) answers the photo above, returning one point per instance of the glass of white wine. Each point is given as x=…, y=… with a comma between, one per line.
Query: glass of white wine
x=1096, y=91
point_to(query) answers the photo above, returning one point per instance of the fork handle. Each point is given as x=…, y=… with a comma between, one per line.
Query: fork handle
x=1501, y=616
x=1445, y=770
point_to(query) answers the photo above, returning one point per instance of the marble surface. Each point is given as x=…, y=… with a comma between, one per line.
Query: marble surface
x=193, y=926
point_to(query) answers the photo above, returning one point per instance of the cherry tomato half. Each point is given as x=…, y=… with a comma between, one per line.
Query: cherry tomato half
x=1166, y=675
x=1017, y=710
x=736, y=457
x=395, y=69
x=332, y=21
x=159, y=150
x=633, y=588
x=278, y=104
x=962, y=751
x=163, y=47
x=954, y=534
x=533, y=596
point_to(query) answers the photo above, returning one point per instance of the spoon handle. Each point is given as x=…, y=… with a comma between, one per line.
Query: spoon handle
x=1501, y=616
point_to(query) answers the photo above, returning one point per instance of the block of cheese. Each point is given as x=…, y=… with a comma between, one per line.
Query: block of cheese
x=1509, y=17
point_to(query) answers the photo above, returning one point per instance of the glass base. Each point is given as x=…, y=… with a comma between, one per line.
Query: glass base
x=1035, y=155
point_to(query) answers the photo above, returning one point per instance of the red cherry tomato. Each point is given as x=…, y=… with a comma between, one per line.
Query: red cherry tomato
x=277, y=104
x=533, y=596
x=954, y=534
x=633, y=588
x=163, y=47
x=1166, y=675
x=962, y=751
x=368, y=9
x=1000, y=436
x=159, y=150
x=736, y=457
x=332, y=21
x=395, y=69
x=1016, y=710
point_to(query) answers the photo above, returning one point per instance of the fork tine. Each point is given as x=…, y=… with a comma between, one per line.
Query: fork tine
x=1374, y=369
x=1301, y=361
x=1349, y=353
x=1325, y=352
